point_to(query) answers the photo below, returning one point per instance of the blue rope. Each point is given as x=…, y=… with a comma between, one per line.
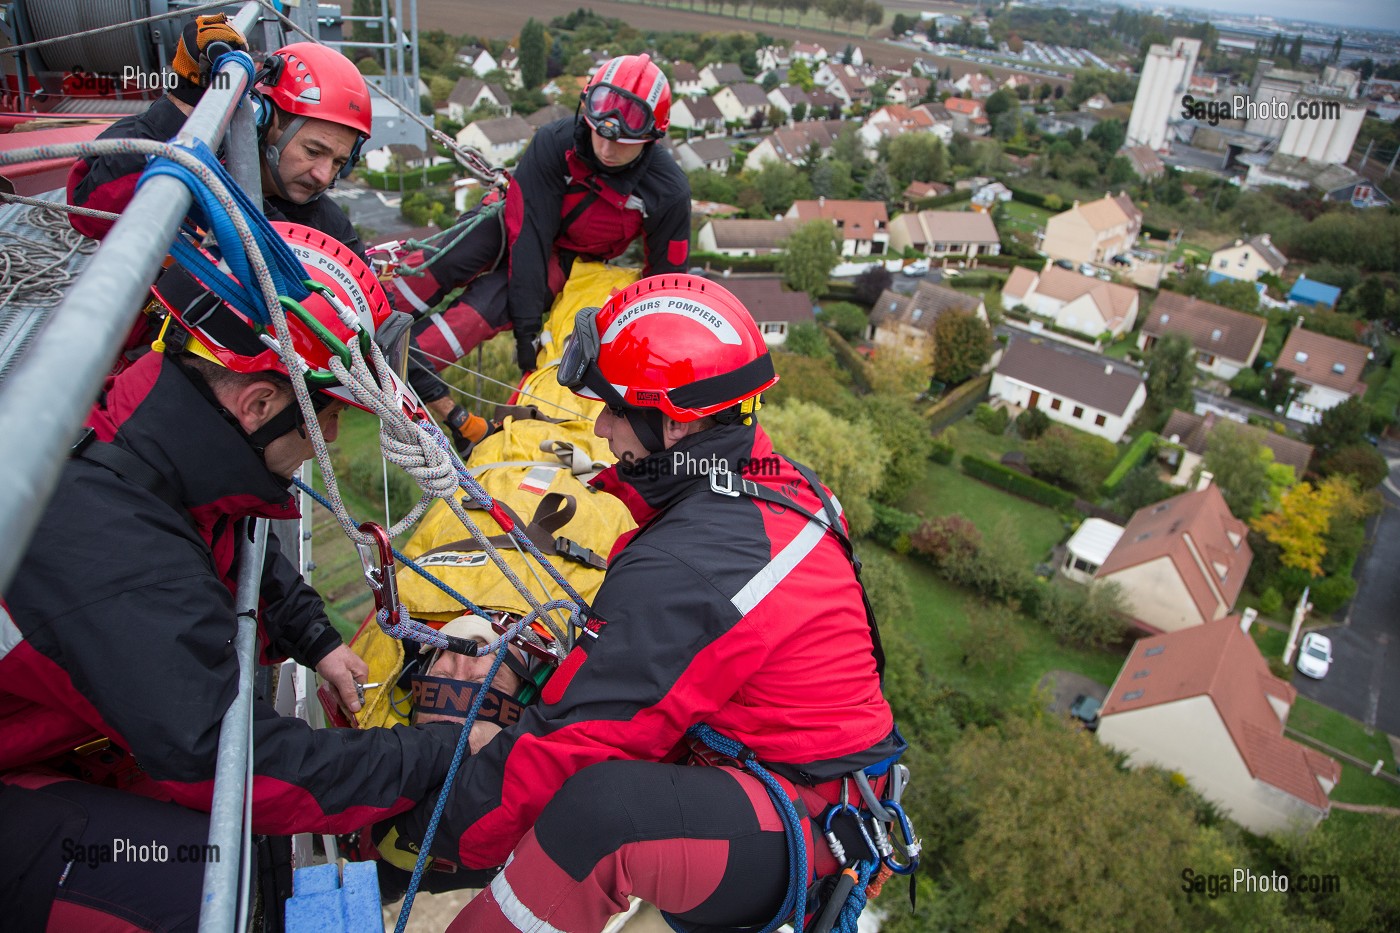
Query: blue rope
x=794, y=901
x=849, y=919
x=423, y=856
x=208, y=212
x=401, y=557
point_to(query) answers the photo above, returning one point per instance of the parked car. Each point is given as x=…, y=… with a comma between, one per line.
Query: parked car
x=1315, y=656
x=1121, y=260
x=1086, y=709
x=916, y=268
x=1065, y=264
x=1087, y=268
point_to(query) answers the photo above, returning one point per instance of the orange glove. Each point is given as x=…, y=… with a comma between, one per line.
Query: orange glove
x=192, y=61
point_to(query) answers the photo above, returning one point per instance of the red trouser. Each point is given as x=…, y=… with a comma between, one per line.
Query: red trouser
x=703, y=844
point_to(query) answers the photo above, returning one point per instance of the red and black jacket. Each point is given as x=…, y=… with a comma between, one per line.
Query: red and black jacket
x=561, y=200
x=120, y=620
x=728, y=611
x=108, y=183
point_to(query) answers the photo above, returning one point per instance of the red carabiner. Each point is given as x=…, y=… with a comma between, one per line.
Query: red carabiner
x=378, y=563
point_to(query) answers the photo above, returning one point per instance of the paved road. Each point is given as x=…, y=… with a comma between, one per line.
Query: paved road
x=1364, y=681
x=373, y=210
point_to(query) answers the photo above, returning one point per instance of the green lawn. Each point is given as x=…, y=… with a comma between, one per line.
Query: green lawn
x=943, y=615
x=968, y=437
x=1339, y=731
x=1357, y=786
x=946, y=490
x=1022, y=216
x=1270, y=641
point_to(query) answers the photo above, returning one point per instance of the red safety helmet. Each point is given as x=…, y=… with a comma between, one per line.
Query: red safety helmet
x=344, y=291
x=679, y=344
x=312, y=82
x=628, y=100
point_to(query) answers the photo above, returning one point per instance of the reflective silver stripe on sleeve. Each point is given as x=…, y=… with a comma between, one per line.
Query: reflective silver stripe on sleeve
x=767, y=579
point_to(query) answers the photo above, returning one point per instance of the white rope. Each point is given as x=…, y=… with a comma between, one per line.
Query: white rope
x=59, y=206
x=35, y=270
x=453, y=364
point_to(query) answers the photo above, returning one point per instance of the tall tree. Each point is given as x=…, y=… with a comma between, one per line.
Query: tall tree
x=1295, y=51
x=533, y=49
x=1171, y=373
x=962, y=343
x=808, y=257
x=847, y=455
x=915, y=157
x=1299, y=527
x=1240, y=465
x=1341, y=426
x=1005, y=834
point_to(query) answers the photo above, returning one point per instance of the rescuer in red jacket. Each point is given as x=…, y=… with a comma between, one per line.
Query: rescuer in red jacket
x=721, y=608
x=586, y=188
x=116, y=657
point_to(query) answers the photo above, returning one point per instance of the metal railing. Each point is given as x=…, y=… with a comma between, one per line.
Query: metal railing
x=46, y=400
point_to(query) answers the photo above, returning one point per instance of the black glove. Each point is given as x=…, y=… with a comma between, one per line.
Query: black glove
x=526, y=353
x=202, y=40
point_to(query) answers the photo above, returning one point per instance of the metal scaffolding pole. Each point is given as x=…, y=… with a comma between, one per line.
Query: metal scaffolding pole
x=219, y=910
x=46, y=400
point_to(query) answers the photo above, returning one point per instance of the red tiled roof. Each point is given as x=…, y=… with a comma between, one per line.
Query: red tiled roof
x=1195, y=531
x=859, y=220
x=1218, y=660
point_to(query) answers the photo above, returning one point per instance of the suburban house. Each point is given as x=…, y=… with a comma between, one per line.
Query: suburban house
x=1181, y=562
x=1072, y=389
x=1099, y=101
x=1359, y=193
x=961, y=234
x=744, y=237
x=400, y=157
x=1201, y=702
x=1226, y=340
x=808, y=52
x=744, y=103
x=547, y=115
x=908, y=90
x=685, y=80
x=895, y=119
x=470, y=93
x=1326, y=371
x=787, y=97
x=969, y=116
x=975, y=84
x=846, y=87
x=1189, y=433
x=720, y=74
x=864, y=225
x=1080, y=303
x=712, y=154
x=1146, y=163
x=989, y=195
x=774, y=308
x=1093, y=232
x=823, y=104
x=919, y=190
x=1088, y=548
x=1313, y=293
x=904, y=323
x=791, y=144
x=699, y=114
x=500, y=139
x=1246, y=260
x=479, y=60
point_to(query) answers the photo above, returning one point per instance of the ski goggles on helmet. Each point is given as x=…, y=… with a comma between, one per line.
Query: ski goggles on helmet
x=578, y=369
x=616, y=114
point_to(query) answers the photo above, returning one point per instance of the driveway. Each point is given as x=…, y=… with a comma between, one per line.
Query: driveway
x=1364, y=681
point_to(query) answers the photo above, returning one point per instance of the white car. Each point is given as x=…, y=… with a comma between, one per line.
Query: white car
x=916, y=268
x=1315, y=655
